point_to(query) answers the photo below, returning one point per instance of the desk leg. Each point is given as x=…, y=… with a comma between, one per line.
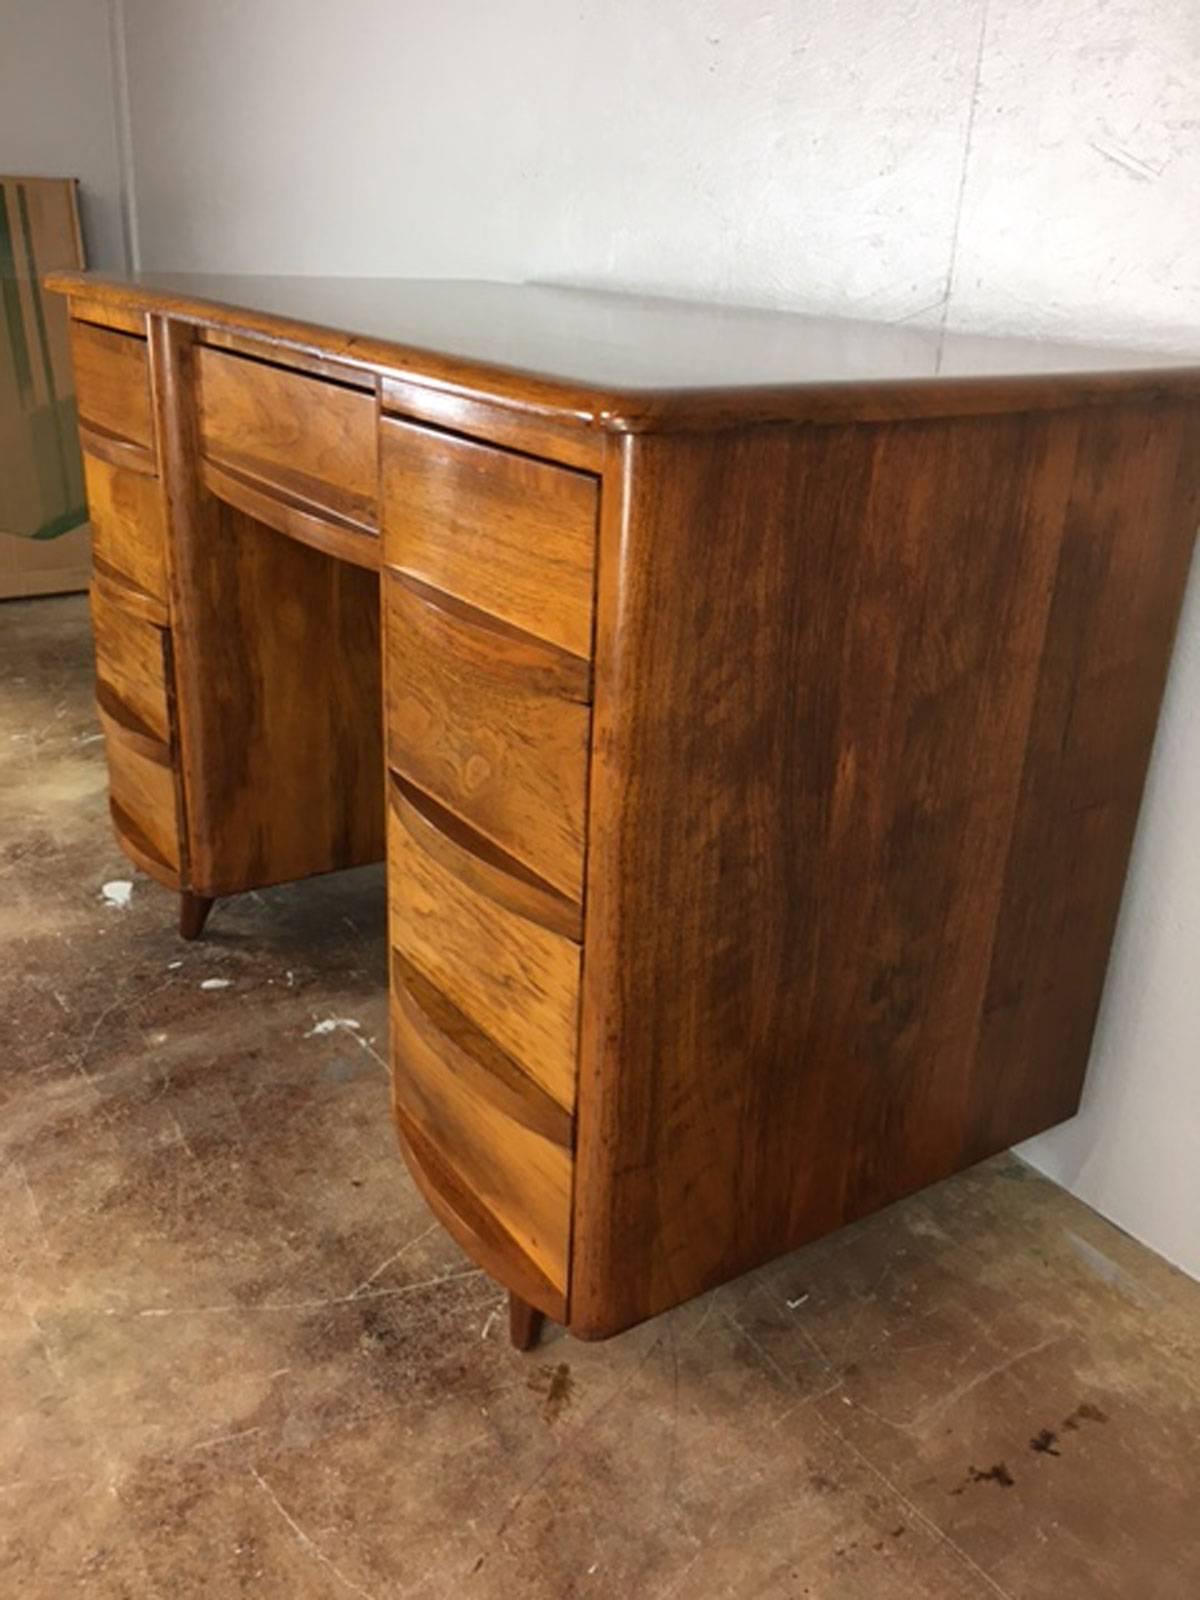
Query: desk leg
x=193, y=914
x=524, y=1323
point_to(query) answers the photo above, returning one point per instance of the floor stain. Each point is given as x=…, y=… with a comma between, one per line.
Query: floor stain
x=1084, y=1413
x=997, y=1474
x=556, y=1386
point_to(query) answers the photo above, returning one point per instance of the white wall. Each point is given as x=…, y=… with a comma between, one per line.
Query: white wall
x=58, y=110
x=1024, y=165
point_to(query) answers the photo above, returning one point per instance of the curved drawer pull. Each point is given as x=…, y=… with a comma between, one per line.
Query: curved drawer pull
x=117, y=452
x=126, y=727
x=139, y=849
x=287, y=513
x=484, y=866
x=468, y=1053
x=505, y=648
x=118, y=590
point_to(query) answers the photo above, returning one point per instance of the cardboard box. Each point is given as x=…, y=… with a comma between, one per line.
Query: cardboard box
x=43, y=514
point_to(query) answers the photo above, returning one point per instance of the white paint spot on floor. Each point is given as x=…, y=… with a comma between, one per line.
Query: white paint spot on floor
x=794, y=1305
x=215, y=983
x=118, y=893
x=331, y=1025
x=174, y=966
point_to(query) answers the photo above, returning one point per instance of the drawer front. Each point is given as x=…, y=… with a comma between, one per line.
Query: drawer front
x=141, y=788
x=504, y=1140
x=128, y=524
x=131, y=665
x=313, y=439
x=491, y=723
x=508, y=534
x=480, y=937
x=112, y=383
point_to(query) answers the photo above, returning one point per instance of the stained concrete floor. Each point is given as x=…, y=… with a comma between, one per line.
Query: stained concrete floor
x=237, y=1357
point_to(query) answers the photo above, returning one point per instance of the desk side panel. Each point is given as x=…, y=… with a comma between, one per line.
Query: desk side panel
x=873, y=711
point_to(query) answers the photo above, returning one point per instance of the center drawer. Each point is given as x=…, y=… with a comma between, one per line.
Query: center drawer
x=309, y=437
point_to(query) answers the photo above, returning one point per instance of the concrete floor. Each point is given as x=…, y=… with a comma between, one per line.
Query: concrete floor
x=237, y=1357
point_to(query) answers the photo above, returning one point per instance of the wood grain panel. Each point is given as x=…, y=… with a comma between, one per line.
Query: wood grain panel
x=513, y=1170
x=129, y=534
x=514, y=979
x=509, y=534
x=819, y=663
x=278, y=664
x=131, y=661
x=112, y=383
x=480, y=718
x=313, y=438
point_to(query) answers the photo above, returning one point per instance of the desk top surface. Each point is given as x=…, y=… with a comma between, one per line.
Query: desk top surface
x=615, y=357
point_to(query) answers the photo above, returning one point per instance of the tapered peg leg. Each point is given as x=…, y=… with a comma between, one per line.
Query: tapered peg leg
x=524, y=1323
x=193, y=914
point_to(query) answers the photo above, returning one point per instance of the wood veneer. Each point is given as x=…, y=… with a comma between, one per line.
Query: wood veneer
x=766, y=703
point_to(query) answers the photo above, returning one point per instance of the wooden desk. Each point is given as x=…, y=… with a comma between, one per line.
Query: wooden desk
x=764, y=710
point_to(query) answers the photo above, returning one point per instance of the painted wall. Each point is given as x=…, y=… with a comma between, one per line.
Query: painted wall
x=1024, y=165
x=59, y=110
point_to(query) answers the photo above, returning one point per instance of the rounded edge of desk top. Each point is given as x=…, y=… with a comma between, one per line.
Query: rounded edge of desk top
x=1103, y=375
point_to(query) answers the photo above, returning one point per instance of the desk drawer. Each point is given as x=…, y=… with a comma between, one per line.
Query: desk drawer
x=502, y=1148
x=311, y=438
x=486, y=939
x=112, y=383
x=491, y=723
x=142, y=798
x=506, y=533
x=128, y=524
x=133, y=701
x=131, y=664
